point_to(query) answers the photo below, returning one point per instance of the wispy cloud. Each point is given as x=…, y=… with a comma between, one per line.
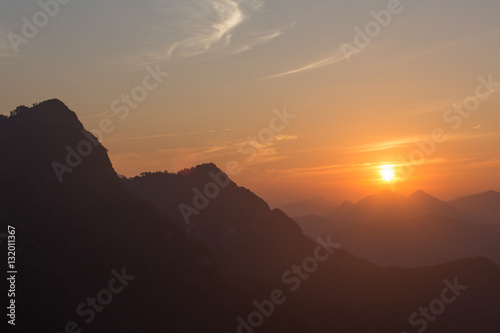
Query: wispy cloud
x=159, y=136
x=325, y=61
x=379, y=146
x=323, y=170
x=221, y=27
x=210, y=29
x=213, y=149
x=411, y=141
x=283, y=137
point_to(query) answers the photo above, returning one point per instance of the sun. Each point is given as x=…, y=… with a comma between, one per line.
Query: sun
x=387, y=172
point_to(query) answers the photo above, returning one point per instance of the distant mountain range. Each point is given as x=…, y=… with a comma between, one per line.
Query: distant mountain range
x=483, y=207
x=392, y=206
x=389, y=229
x=202, y=253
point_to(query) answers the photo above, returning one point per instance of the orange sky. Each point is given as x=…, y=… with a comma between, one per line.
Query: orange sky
x=231, y=63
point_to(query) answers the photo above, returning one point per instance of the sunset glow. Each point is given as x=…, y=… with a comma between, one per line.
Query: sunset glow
x=201, y=81
x=387, y=173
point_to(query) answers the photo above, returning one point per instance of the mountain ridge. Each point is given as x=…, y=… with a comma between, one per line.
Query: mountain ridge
x=389, y=205
x=74, y=233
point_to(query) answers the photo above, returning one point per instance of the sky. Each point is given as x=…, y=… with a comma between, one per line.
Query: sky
x=293, y=99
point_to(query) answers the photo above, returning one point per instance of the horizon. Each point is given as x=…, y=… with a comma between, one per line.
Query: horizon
x=355, y=87
x=278, y=200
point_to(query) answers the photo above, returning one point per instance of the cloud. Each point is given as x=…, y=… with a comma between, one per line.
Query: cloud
x=156, y=136
x=221, y=27
x=410, y=142
x=322, y=170
x=283, y=137
x=213, y=149
x=207, y=32
x=380, y=146
x=325, y=61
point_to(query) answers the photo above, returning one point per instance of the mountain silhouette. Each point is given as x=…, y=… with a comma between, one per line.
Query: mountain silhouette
x=77, y=229
x=392, y=230
x=230, y=225
x=485, y=207
x=72, y=235
x=237, y=213
x=391, y=206
x=423, y=241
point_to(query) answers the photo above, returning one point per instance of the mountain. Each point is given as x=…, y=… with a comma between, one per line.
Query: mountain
x=423, y=241
x=315, y=226
x=419, y=230
x=427, y=204
x=229, y=223
x=331, y=295
x=312, y=206
x=485, y=207
x=82, y=237
x=392, y=206
x=94, y=256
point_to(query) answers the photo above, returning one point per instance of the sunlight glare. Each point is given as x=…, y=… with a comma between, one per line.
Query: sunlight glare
x=387, y=172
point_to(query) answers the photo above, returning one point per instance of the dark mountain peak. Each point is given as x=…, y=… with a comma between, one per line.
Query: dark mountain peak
x=205, y=168
x=76, y=231
x=53, y=109
x=53, y=104
x=201, y=171
x=48, y=143
x=230, y=220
